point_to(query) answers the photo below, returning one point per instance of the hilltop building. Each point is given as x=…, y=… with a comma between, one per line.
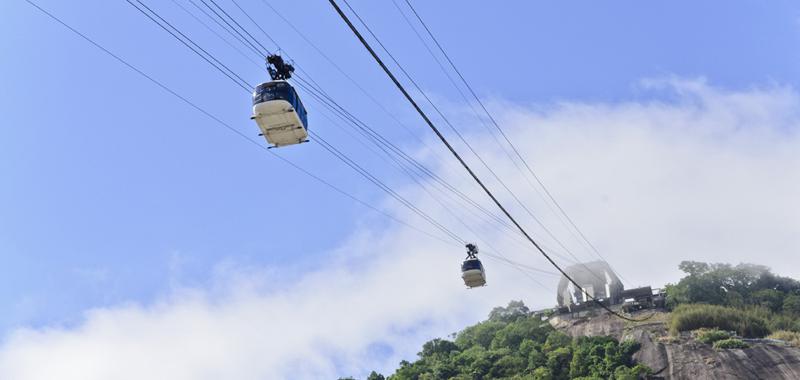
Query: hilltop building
x=596, y=278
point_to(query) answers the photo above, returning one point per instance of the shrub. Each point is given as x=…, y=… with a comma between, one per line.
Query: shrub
x=769, y=298
x=729, y=343
x=709, y=336
x=558, y=361
x=779, y=322
x=791, y=305
x=790, y=337
x=542, y=373
x=636, y=372
x=695, y=316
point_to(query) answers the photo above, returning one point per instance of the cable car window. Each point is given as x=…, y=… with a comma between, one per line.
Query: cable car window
x=272, y=92
x=470, y=265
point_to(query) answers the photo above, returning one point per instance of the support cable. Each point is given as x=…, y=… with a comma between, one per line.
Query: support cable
x=260, y=146
x=380, y=184
x=208, y=57
x=216, y=33
x=369, y=96
x=355, y=166
x=393, y=147
x=519, y=266
x=346, y=160
x=387, y=148
x=216, y=20
x=464, y=164
x=471, y=149
x=503, y=134
x=262, y=53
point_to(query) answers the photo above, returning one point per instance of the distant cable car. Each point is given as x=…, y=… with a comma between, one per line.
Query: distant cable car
x=472, y=271
x=277, y=108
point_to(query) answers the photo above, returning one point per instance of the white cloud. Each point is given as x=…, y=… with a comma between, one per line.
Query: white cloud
x=710, y=175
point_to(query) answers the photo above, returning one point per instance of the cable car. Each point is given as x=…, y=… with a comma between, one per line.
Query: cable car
x=280, y=114
x=277, y=108
x=472, y=271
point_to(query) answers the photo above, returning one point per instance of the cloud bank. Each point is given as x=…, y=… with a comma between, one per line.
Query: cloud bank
x=696, y=172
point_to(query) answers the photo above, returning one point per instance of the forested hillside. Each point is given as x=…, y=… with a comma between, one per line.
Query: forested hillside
x=513, y=344
x=717, y=305
x=745, y=298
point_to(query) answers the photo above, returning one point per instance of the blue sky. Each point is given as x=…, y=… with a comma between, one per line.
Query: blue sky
x=113, y=191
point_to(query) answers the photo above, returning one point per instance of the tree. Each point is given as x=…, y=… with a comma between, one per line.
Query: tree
x=734, y=299
x=542, y=373
x=514, y=346
x=512, y=335
x=514, y=311
x=595, y=357
x=723, y=284
x=536, y=359
x=631, y=373
x=694, y=268
x=556, y=340
x=437, y=346
x=375, y=376
x=791, y=305
x=558, y=362
x=507, y=366
x=769, y=298
x=481, y=334
x=443, y=369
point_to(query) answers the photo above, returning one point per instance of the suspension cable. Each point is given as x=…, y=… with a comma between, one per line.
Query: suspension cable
x=529, y=168
x=330, y=148
x=471, y=149
x=350, y=116
x=227, y=126
x=225, y=28
x=464, y=164
x=343, y=157
x=192, y=46
x=370, y=134
x=415, y=177
x=370, y=177
x=338, y=68
x=210, y=29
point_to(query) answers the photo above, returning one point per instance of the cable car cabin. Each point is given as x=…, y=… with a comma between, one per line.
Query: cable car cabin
x=473, y=274
x=279, y=113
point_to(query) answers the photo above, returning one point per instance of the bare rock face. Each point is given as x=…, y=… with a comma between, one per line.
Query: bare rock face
x=760, y=361
x=683, y=357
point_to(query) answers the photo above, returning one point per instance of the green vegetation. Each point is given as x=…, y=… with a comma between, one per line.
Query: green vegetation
x=695, y=316
x=712, y=301
x=513, y=344
x=730, y=343
x=790, y=337
x=745, y=298
x=709, y=336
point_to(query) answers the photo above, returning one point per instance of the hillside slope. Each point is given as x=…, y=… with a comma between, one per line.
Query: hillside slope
x=686, y=358
x=724, y=322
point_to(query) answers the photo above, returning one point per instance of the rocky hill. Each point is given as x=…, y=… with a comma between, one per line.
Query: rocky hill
x=684, y=357
x=718, y=322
